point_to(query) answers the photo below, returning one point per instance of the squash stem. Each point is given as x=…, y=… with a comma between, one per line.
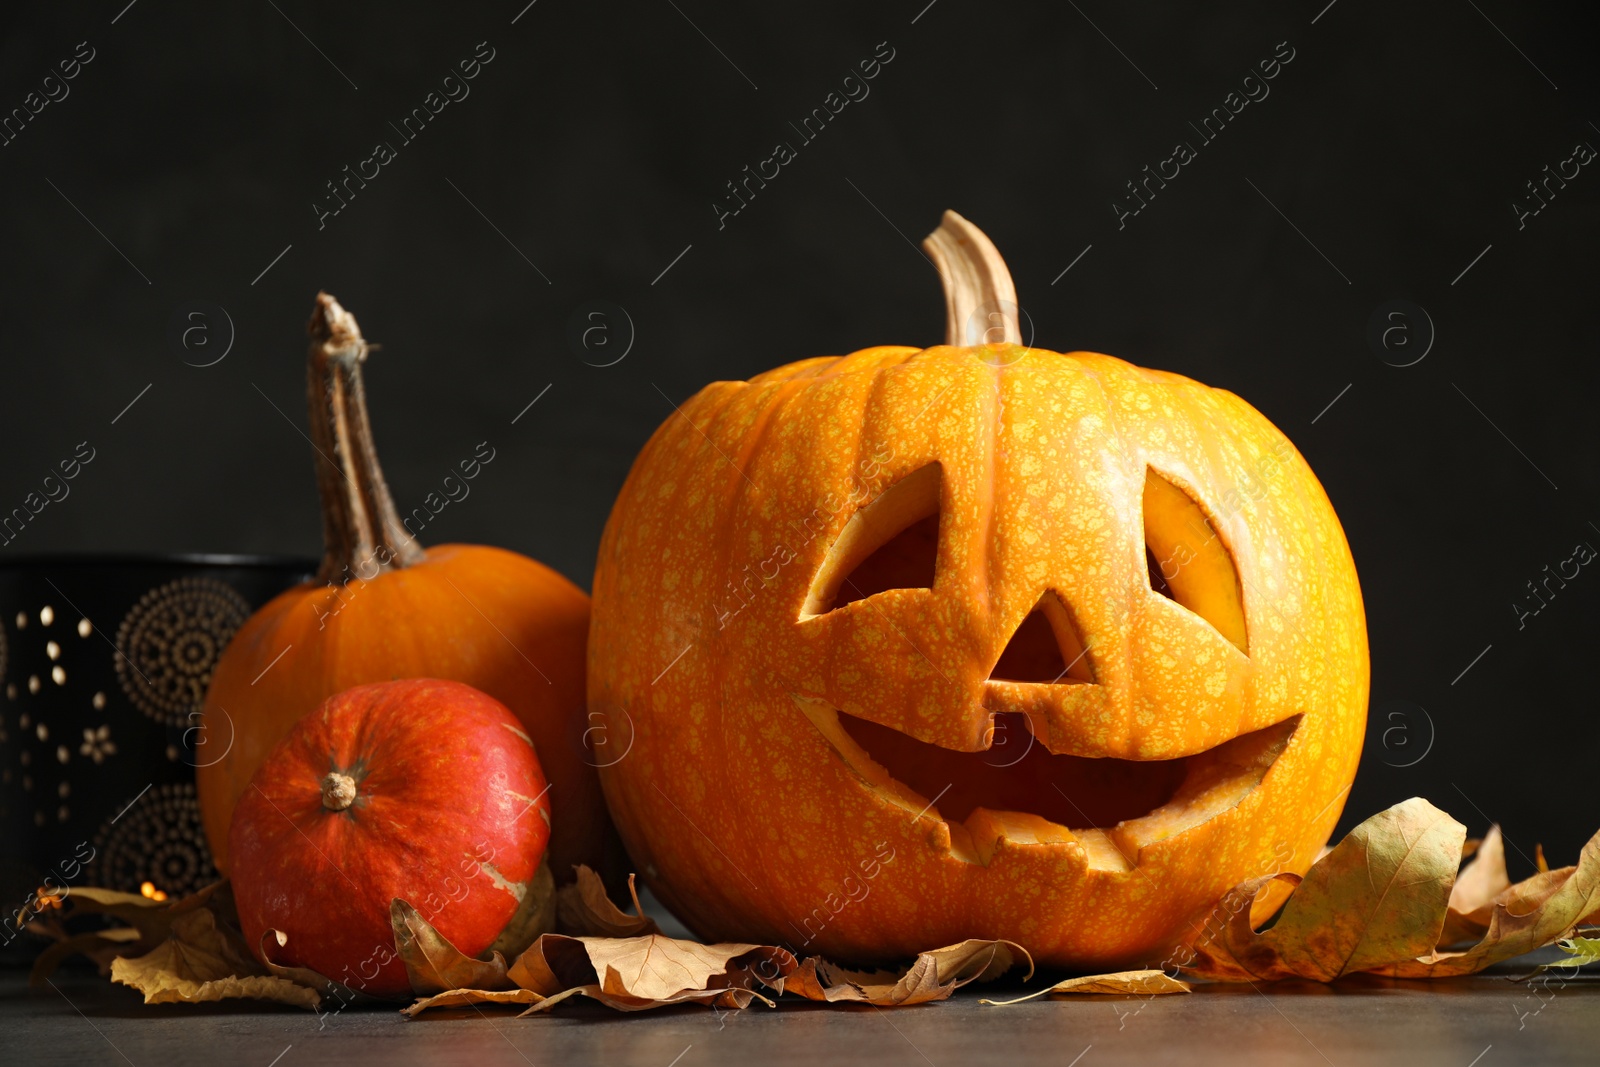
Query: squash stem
x=338, y=791
x=362, y=534
x=980, y=299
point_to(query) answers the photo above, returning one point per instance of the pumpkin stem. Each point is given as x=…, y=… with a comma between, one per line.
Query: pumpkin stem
x=338, y=791
x=362, y=534
x=980, y=299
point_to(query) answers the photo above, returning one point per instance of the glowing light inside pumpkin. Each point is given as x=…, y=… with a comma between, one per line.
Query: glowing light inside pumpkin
x=149, y=890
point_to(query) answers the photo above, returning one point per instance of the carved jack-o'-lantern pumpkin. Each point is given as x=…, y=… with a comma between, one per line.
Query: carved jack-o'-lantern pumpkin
x=973, y=641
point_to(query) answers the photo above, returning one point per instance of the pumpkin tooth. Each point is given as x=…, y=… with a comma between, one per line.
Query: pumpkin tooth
x=990, y=828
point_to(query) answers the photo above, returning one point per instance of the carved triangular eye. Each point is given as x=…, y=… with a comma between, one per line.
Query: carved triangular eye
x=1045, y=648
x=892, y=543
x=1188, y=561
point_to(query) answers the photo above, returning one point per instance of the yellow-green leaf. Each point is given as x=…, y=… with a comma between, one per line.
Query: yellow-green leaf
x=1581, y=951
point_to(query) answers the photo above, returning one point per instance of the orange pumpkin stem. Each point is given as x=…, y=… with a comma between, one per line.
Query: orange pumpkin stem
x=980, y=299
x=362, y=534
x=338, y=791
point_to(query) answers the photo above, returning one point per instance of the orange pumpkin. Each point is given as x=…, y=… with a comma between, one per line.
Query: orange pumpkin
x=383, y=608
x=977, y=640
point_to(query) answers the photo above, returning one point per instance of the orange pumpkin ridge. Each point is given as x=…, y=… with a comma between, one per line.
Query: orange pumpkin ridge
x=385, y=608
x=978, y=640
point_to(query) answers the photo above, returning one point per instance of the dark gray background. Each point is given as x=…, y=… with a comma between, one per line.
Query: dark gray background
x=596, y=142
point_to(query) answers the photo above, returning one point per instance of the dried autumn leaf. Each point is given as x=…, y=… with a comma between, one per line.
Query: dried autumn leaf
x=463, y=998
x=584, y=910
x=149, y=924
x=1484, y=878
x=305, y=975
x=654, y=967
x=1479, y=883
x=180, y=951
x=1141, y=983
x=652, y=970
x=433, y=964
x=199, y=962
x=635, y=973
x=1531, y=914
x=101, y=946
x=1377, y=899
x=932, y=975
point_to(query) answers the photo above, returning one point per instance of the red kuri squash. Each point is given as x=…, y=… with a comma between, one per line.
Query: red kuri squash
x=422, y=790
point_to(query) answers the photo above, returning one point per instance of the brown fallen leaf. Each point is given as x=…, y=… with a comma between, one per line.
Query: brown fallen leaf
x=584, y=910
x=1484, y=877
x=932, y=976
x=187, y=950
x=1546, y=908
x=433, y=964
x=731, y=997
x=1482, y=880
x=101, y=946
x=1378, y=898
x=1141, y=983
x=652, y=970
x=631, y=973
x=149, y=924
x=1384, y=898
x=199, y=962
x=464, y=998
x=305, y=976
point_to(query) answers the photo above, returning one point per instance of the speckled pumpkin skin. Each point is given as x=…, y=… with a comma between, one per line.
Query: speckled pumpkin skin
x=747, y=822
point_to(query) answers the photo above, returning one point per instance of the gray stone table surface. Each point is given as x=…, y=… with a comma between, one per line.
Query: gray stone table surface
x=1485, y=1021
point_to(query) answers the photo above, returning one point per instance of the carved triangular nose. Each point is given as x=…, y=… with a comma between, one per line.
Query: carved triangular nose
x=1047, y=648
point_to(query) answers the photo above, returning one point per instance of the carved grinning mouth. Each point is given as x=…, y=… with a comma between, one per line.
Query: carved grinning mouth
x=1017, y=791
